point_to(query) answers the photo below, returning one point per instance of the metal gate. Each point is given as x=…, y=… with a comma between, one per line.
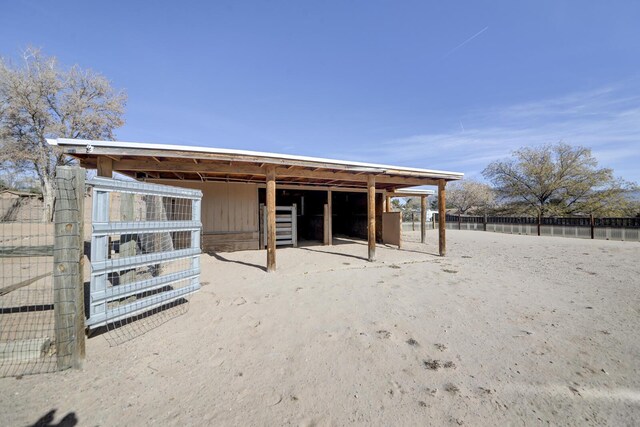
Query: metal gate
x=286, y=225
x=145, y=248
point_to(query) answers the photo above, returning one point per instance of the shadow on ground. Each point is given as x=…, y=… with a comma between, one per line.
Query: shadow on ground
x=248, y=264
x=47, y=420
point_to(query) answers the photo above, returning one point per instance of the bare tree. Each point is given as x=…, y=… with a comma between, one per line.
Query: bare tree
x=558, y=179
x=470, y=196
x=39, y=100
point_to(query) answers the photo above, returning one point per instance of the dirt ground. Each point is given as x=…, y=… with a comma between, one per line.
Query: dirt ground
x=506, y=329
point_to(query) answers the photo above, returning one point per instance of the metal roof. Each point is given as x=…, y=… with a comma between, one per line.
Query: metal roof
x=90, y=145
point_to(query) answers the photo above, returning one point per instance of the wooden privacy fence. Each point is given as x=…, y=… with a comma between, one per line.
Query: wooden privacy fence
x=627, y=229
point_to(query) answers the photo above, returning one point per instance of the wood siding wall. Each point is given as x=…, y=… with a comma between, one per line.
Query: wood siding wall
x=229, y=215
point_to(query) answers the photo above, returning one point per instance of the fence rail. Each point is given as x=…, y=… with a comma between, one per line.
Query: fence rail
x=627, y=229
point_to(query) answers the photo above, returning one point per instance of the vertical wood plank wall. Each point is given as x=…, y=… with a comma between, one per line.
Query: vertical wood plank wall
x=229, y=214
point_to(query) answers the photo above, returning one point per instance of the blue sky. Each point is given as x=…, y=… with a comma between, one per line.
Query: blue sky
x=441, y=85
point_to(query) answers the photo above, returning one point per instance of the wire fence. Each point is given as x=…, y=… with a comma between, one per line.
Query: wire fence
x=626, y=229
x=29, y=333
x=147, y=259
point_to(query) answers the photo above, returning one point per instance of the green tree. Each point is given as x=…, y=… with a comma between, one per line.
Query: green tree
x=39, y=100
x=558, y=179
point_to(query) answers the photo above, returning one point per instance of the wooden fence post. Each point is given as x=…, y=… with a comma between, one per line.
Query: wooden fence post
x=68, y=264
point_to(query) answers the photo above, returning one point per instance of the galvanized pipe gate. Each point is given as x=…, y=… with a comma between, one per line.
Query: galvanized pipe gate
x=111, y=297
x=286, y=225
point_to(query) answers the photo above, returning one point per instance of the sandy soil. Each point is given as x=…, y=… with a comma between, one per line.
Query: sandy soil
x=504, y=330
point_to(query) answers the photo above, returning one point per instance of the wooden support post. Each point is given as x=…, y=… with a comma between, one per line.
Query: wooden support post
x=442, y=214
x=68, y=265
x=399, y=230
x=593, y=223
x=325, y=224
x=329, y=202
x=379, y=212
x=423, y=219
x=271, y=218
x=294, y=225
x=388, y=204
x=105, y=167
x=371, y=215
x=328, y=235
x=261, y=228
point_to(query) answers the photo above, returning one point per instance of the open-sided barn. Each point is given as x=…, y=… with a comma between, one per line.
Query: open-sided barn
x=257, y=199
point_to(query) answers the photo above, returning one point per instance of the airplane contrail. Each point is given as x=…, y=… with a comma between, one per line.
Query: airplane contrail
x=467, y=41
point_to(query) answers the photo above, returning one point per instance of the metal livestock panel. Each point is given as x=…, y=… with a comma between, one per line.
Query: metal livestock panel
x=286, y=225
x=581, y=232
x=611, y=233
x=145, y=256
x=471, y=226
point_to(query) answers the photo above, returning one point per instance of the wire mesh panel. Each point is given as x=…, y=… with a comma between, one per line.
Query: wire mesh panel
x=27, y=328
x=145, y=249
x=37, y=310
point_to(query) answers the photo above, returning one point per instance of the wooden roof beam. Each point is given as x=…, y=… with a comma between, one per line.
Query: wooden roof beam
x=281, y=172
x=256, y=158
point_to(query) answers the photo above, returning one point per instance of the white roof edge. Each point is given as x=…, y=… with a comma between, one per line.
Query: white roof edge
x=212, y=150
x=416, y=191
